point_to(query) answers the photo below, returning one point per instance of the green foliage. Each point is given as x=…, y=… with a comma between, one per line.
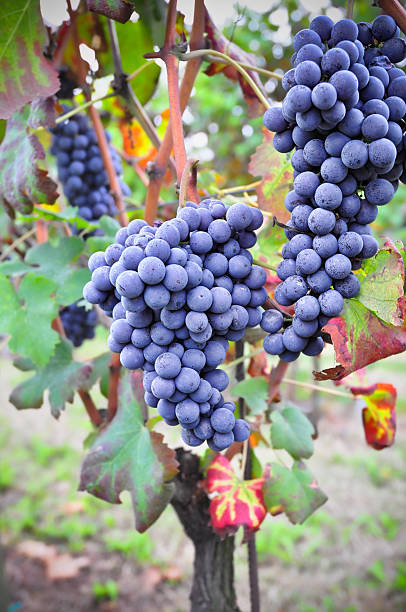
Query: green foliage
x=27, y=314
x=113, y=463
x=136, y=545
x=254, y=390
x=294, y=492
x=105, y=590
x=399, y=583
x=377, y=571
x=292, y=431
x=23, y=182
x=61, y=376
x=25, y=74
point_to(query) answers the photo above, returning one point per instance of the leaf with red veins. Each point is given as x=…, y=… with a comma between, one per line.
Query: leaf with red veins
x=235, y=503
x=25, y=73
x=293, y=491
x=218, y=42
x=126, y=456
x=360, y=338
x=382, y=281
x=371, y=326
x=379, y=416
x=277, y=178
x=23, y=182
x=119, y=10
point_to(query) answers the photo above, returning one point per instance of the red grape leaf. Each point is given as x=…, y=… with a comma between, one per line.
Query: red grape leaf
x=219, y=42
x=237, y=503
x=379, y=416
x=126, y=456
x=292, y=491
x=372, y=325
x=360, y=338
x=22, y=182
x=277, y=177
x=117, y=10
x=25, y=73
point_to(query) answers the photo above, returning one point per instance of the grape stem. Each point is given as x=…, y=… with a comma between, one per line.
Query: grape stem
x=239, y=67
x=190, y=167
x=16, y=243
x=305, y=385
x=276, y=377
x=264, y=265
x=76, y=110
x=350, y=9
x=172, y=69
x=114, y=379
x=215, y=59
x=123, y=88
x=239, y=188
x=108, y=165
x=158, y=168
x=395, y=10
x=238, y=360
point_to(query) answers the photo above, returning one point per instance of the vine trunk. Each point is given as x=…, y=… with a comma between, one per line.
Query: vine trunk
x=213, y=576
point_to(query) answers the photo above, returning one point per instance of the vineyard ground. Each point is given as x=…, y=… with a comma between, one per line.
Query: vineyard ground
x=350, y=556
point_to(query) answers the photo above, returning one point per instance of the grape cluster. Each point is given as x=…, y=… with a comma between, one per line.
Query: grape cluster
x=81, y=169
x=344, y=114
x=182, y=290
x=78, y=323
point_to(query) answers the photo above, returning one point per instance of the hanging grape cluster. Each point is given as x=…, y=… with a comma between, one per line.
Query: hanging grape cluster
x=79, y=323
x=81, y=169
x=178, y=293
x=344, y=114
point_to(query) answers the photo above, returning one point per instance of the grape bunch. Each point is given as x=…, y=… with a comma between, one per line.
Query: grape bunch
x=81, y=170
x=78, y=323
x=344, y=114
x=178, y=293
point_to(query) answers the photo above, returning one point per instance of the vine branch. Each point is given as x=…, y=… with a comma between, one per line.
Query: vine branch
x=395, y=10
x=247, y=471
x=161, y=161
x=123, y=88
x=108, y=165
x=191, y=164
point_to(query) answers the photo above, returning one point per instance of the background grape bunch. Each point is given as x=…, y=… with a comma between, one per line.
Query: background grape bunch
x=79, y=324
x=81, y=169
x=178, y=293
x=344, y=114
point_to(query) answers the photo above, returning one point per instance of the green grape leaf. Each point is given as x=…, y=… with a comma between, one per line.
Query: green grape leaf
x=72, y=289
x=292, y=431
x=294, y=492
x=54, y=262
x=126, y=456
x=100, y=368
x=382, y=281
x=27, y=316
x=25, y=73
x=61, y=376
x=14, y=267
x=254, y=390
x=23, y=182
